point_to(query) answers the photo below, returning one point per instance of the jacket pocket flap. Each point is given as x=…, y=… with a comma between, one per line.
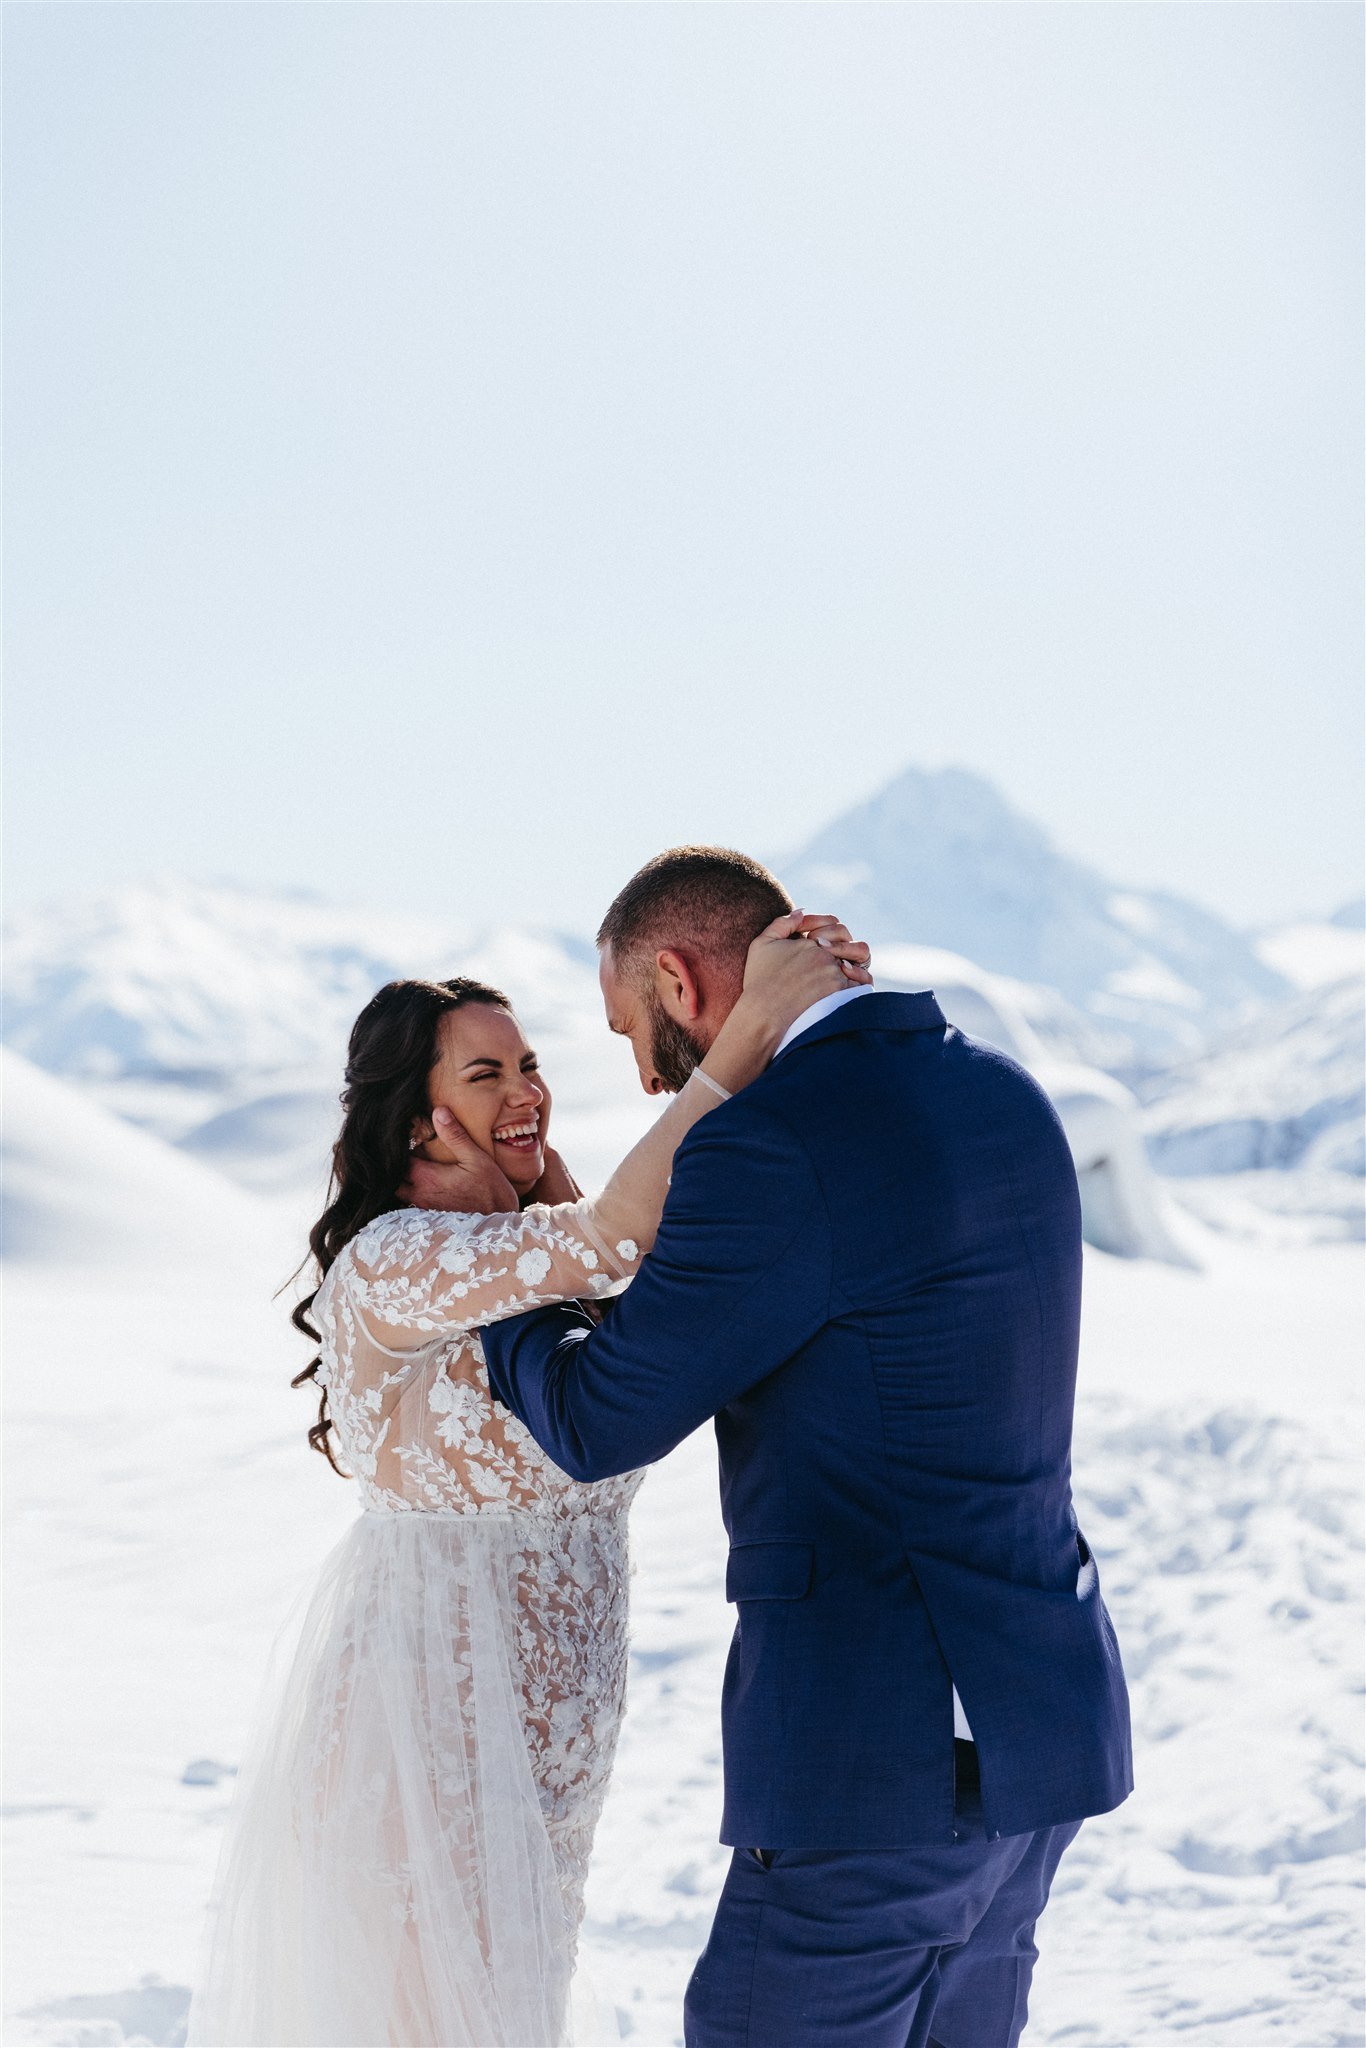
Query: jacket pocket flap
x=770, y=1571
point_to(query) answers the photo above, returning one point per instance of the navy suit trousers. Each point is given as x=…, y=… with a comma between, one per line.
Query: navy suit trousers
x=924, y=1947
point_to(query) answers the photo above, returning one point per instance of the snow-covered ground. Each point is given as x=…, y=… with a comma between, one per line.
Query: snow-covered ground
x=1308, y=1205
x=164, y=1516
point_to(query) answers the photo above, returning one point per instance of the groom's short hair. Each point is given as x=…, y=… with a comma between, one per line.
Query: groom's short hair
x=706, y=900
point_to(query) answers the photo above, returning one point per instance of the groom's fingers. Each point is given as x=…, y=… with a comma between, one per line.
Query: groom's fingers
x=452, y=1132
x=434, y=1184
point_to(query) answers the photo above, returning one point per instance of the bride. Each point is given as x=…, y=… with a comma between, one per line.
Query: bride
x=405, y=1860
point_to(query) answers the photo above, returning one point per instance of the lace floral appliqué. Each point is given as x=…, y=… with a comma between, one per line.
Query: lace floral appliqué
x=417, y=1425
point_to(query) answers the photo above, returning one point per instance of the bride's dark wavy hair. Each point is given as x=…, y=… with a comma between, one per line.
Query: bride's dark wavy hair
x=392, y=1052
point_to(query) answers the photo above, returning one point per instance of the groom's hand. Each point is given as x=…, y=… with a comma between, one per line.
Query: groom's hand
x=469, y=1181
x=557, y=1183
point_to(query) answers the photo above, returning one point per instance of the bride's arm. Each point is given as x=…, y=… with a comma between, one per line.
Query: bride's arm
x=416, y=1272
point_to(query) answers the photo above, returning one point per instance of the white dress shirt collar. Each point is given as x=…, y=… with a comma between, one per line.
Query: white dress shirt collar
x=824, y=1008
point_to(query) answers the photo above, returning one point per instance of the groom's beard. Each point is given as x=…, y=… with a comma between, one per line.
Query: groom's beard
x=674, y=1052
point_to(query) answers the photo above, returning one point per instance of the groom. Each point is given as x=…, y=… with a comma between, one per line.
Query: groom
x=868, y=1272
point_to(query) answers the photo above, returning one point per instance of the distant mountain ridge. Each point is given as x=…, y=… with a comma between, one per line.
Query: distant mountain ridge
x=178, y=1001
x=1312, y=952
x=939, y=858
x=174, y=1000
x=1285, y=1089
x=217, y=1016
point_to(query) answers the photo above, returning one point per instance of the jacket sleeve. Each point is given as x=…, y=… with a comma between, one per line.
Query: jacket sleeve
x=738, y=1281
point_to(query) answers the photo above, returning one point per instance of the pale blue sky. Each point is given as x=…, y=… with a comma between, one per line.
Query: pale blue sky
x=454, y=451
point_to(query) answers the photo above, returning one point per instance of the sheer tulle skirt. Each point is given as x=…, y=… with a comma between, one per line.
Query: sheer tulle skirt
x=391, y=1876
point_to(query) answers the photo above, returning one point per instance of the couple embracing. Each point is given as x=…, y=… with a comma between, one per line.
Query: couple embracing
x=853, y=1242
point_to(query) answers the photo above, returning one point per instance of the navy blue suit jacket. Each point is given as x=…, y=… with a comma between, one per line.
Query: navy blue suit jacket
x=869, y=1272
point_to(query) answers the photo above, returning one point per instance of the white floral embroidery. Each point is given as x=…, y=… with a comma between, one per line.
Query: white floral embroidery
x=420, y=1431
x=443, y=1736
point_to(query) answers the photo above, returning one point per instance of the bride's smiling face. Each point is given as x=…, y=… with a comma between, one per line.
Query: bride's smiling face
x=486, y=1075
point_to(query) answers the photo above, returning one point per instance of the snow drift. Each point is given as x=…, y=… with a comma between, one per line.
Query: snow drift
x=83, y=1188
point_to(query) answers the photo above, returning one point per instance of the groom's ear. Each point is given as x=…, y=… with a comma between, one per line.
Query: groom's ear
x=678, y=987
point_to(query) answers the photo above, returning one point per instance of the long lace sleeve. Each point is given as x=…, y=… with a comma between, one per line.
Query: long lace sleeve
x=418, y=1273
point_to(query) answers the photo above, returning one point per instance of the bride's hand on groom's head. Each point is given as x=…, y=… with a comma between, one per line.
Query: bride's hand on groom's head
x=794, y=962
x=854, y=955
x=466, y=1179
x=791, y=977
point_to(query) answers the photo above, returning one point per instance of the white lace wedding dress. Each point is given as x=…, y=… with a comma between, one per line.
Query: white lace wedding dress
x=406, y=1855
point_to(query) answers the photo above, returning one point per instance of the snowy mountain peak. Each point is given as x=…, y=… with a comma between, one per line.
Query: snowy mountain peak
x=940, y=858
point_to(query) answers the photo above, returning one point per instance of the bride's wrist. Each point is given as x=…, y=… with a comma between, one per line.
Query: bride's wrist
x=743, y=1046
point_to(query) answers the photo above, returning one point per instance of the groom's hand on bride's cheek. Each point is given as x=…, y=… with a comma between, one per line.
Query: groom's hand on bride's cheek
x=432, y=1184
x=557, y=1183
x=470, y=1182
